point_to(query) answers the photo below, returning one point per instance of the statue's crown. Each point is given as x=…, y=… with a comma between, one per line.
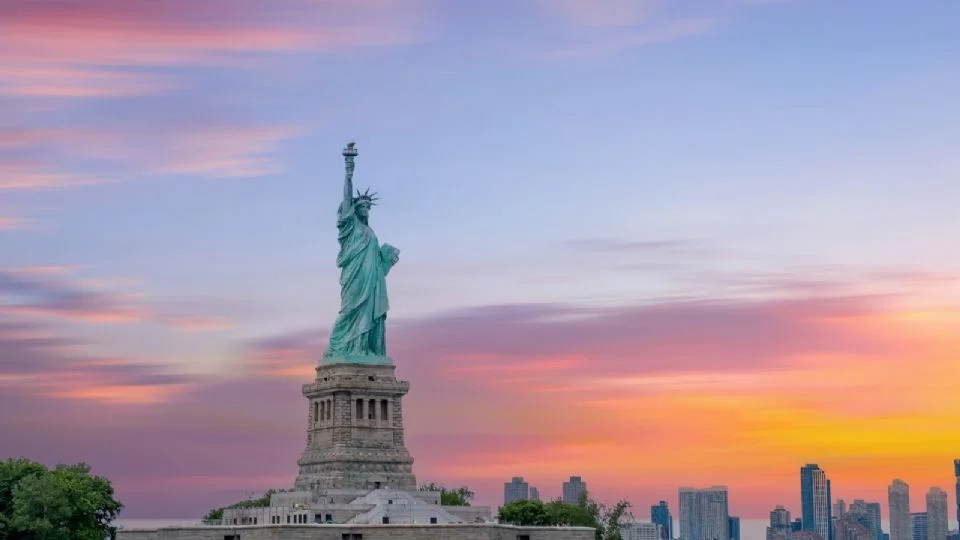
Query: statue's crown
x=367, y=197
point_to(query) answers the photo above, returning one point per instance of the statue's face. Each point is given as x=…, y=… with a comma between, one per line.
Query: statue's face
x=363, y=209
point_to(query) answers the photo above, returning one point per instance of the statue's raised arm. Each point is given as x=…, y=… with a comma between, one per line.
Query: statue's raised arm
x=349, y=153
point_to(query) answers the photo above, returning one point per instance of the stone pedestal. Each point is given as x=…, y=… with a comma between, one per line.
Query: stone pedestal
x=355, y=430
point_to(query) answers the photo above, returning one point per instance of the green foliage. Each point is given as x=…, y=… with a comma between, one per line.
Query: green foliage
x=215, y=515
x=450, y=497
x=525, y=512
x=63, y=503
x=607, y=521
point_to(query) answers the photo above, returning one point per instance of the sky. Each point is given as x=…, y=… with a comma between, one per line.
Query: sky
x=652, y=243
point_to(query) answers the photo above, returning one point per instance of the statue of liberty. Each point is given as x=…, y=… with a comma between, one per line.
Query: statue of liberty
x=359, y=335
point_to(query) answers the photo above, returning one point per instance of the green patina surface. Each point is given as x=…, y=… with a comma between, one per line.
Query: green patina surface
x=359, y=334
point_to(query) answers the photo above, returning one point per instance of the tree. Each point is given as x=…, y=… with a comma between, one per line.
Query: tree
x=607, y=521
x=450, y=497
x=216, y=514
x=525, y=512
x=63, y=503
x=614, y=518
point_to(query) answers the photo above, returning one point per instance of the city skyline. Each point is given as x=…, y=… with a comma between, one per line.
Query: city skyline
x=686, y=232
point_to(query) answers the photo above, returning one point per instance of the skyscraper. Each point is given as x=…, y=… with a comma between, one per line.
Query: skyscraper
x=660, y=514
x=918, y=525
x=734, y=528
x=898, y=497
x=534, y=494
x=815, y=501
x=779, y=522
x=515, y=490
x=704, y=513
x=936, y=514
x=956, y=474
x=573, y=489
x=876, y=520
x=869, y=515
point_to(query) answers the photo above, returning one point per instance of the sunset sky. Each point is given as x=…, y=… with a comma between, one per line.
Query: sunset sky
x=653, y=243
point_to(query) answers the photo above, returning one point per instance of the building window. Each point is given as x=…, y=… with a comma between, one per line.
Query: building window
x=372, y=410
x=433, y=521
x=328, y=518
x=288, y=520
x=383, y=410
x=359, y=409
x=323, y=411
x=386, y=520
x=316, y=412
x=523, y=537
x=348, y=536
x=231, y=537
x=329, y=409
x=254, y=521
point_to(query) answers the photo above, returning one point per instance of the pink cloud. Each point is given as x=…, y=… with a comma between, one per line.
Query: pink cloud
x=26, y=176
x=12, y=223
x=75, y=48
x=55, y=293
x=209, y=150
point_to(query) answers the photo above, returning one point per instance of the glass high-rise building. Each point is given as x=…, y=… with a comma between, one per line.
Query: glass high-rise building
x=918, y=525
x=704, y=513
x=734, y=528
x=876, y=520
x=898, y=498
x=515, y=490
x=816, y=508
x=868, y=513
x=660, y=515
x=956, y=474
x=573, y=490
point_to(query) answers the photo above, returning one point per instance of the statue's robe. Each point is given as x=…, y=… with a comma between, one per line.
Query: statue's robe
x=360, y=326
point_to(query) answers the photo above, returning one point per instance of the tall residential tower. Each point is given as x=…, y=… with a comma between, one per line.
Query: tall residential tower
x=704, y=514
x=937, y=527
x=815, y=501
x=660, y=515
x=898, y=497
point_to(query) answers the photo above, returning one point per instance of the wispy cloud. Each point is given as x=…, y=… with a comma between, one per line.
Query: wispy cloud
x=31, y=177
x=54, y=293
x=661, y=33
x=40, y=362
x=601, y=13
x=12, y=223
x=734, y=378
x=212, y=150
x=84, y=48
x=605, y=27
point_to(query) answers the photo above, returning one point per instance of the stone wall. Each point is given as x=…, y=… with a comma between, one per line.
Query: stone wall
x=361, y=532
x=358, y=444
